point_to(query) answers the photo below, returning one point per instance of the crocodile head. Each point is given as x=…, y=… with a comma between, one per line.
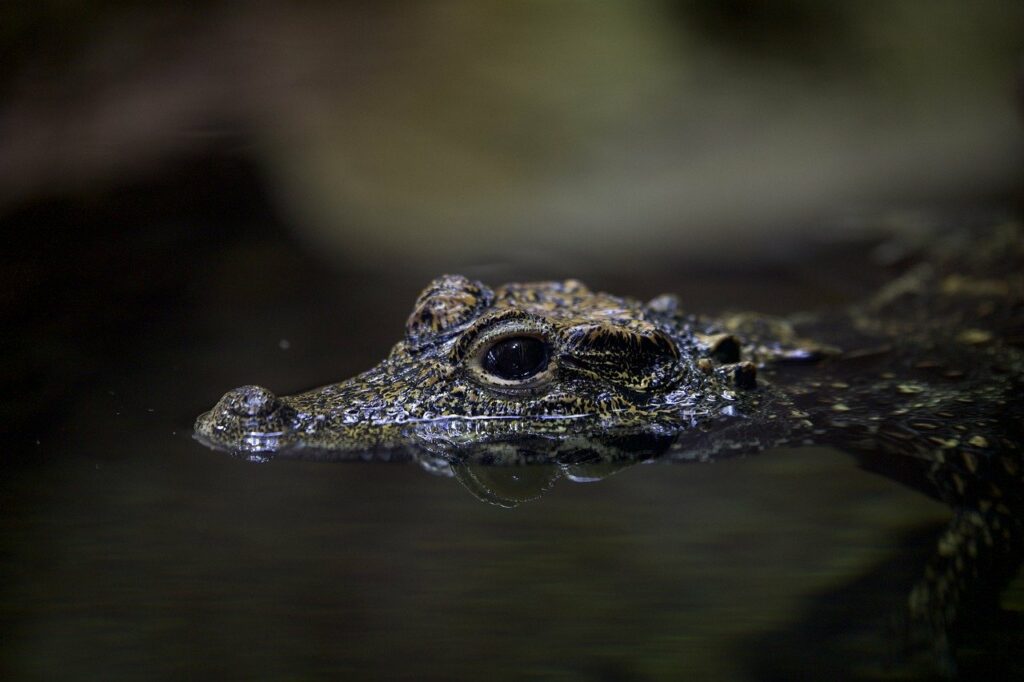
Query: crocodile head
x=544, y=362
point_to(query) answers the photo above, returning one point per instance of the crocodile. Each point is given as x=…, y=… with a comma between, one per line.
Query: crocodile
x=922, y=382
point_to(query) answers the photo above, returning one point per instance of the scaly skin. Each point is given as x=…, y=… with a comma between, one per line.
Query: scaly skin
x=923, y=382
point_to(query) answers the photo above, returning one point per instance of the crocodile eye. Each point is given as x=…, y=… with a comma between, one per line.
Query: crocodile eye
x=509, y=351
x=516, y=358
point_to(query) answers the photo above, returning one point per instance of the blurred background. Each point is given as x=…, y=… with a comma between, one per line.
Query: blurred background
x=552, y=134
x=195, y=196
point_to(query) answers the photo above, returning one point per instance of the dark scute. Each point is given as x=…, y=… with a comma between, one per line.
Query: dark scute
x=745, y=375
x=516, y=358
x=726, y=350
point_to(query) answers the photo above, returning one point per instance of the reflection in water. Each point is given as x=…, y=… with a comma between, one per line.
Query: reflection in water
x=508, y=472
x=507, y=487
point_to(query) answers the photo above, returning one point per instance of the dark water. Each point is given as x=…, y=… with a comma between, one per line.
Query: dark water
x=128, y=551
x=170, y=562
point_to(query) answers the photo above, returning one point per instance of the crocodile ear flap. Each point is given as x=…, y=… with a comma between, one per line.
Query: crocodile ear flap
x=639, y=357
x=447, y=305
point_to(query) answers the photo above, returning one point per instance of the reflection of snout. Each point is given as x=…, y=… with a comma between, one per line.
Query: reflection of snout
x=248, y=418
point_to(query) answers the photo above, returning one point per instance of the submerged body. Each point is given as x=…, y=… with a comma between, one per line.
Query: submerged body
x=922, y=381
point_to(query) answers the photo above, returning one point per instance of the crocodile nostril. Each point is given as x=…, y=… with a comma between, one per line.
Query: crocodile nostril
x=248, y=401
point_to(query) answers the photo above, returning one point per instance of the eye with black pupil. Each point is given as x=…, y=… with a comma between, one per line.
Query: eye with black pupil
x=516, y=358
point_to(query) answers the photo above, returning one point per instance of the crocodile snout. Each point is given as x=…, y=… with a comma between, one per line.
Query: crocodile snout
x=247, y=419
x=248, y=401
